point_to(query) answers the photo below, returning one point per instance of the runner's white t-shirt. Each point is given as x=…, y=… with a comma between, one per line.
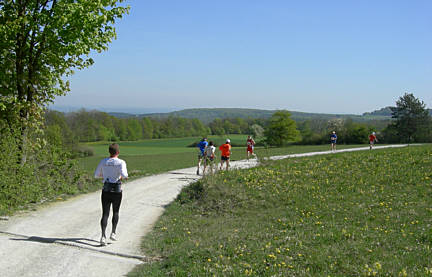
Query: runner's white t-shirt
x=111, y=169
x=210, y=150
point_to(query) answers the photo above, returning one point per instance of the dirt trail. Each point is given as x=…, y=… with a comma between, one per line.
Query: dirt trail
x=62, y=239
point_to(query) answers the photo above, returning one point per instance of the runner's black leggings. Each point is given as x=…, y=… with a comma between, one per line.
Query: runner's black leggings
x=109, y=198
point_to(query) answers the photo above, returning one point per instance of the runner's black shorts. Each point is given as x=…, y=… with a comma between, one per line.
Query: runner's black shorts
x=225, y=158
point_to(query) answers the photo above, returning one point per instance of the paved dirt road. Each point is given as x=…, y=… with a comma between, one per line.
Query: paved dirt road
x=62, y=239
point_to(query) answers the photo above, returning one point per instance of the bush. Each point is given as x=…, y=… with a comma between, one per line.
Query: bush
x=48, y=171
x=315, y=139
x=193, y=192
x=82, y=151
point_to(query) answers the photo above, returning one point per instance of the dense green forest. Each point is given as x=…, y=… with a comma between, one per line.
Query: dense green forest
x=88, y=126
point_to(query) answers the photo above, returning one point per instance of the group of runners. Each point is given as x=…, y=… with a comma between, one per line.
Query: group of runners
x=113, y=171
x=206, y=155
x=333, y=140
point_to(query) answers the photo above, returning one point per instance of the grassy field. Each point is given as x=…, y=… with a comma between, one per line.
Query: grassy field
x=349, y=214
x=147, y=157
x=162, y=146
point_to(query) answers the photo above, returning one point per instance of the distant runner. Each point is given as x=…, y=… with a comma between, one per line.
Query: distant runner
x=201, y=145
x=372, y=140
x=112, y=170
x=226, y=152
x=250, y=143
x=333, y=140
x=209, y=157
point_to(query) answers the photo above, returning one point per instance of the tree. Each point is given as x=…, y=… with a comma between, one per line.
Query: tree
x=412, y=118
x=217, y=127
x=281, y=129
x=120, y=128
x=54, y=118
x=356, y=133
x=134, y=129
x=147, y=128
x=42, y=42
x=257, y=131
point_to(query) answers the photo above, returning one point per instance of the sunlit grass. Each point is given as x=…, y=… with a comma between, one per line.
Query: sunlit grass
x=154, y=156
x=162, y=146
x=350, y=214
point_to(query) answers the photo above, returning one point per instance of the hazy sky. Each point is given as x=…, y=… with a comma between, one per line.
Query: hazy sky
x=312, y=56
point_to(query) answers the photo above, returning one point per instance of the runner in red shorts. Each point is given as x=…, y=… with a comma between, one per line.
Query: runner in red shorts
x=372, y=140
x=250, y=143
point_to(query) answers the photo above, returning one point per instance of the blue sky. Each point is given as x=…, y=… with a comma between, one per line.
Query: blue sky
x=311, y=56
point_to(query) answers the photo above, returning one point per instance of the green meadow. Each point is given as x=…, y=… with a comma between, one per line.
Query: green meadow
x=146, y=157
x=363, y=213
x=153, y=156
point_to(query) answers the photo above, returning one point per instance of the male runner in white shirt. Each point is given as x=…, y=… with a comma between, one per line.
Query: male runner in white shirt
x=112, y=170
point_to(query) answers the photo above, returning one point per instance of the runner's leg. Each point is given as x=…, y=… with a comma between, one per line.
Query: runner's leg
x=206, y=162
x=106, y=205
x=116, y=208
x=199, y=163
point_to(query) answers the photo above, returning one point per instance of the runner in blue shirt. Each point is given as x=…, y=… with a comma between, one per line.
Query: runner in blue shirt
x=333, y=140
x=201, y=145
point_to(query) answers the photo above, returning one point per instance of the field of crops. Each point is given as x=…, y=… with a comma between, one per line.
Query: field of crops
x=349, y=214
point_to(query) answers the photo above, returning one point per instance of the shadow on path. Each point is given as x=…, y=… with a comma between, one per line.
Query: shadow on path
x=65, y=241
x=181, y=173
x=83, y=243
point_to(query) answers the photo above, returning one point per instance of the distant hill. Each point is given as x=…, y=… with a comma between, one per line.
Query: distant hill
x=386, y=112
x=207, y=115
x=123, y=115
x=381, y=112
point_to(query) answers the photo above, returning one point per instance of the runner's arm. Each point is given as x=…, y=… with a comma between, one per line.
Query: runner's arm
x=98, y=172
x=123, y=172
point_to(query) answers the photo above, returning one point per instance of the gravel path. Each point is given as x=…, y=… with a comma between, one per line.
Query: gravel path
x=62, y=239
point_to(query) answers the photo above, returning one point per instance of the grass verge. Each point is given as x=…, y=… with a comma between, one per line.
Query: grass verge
x=348, y=214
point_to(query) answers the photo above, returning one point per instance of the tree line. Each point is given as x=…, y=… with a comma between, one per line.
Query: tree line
x=411, y=123
x=89, y=126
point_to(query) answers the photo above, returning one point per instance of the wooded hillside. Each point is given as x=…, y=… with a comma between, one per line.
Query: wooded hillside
x=207, y=115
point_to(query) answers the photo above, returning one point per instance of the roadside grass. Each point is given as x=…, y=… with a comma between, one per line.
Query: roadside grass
x=347, y=214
